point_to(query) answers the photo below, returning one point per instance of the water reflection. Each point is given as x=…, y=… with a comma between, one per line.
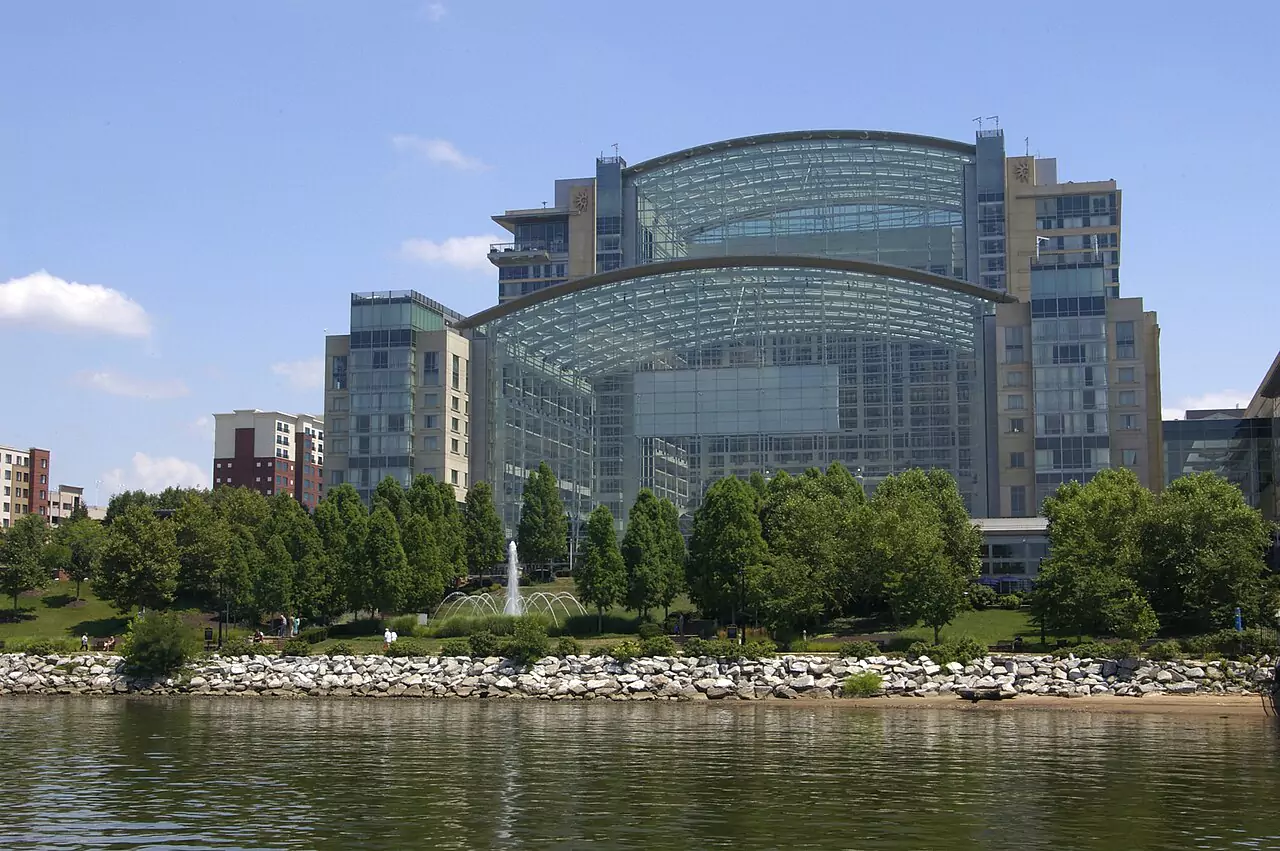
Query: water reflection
x=225, y=773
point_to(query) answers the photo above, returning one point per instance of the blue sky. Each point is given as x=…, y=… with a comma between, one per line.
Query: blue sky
x=198, y=163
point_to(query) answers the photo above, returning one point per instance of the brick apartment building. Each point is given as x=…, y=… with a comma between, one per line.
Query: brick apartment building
x=24, y=483
x=271, y=452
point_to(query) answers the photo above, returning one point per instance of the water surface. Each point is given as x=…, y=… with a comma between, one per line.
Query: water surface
x=225, y=773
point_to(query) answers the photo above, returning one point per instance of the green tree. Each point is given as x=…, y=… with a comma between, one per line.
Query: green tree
x=273, y=581
x=311, y=583
x=243, y=508
x=674, y=555
x=727, y=550
x=139, y=561
x=644, y=553
x=928, y=563
x=345, y=543
x=599, y=575
x=21, y=568
x=386, y=569
x=426, y=571
x=85, y=539
x=482, y=529
x=1200, y=554
x=237, y=571
x=1093, y=552
x=1131, y=616
x=203, y=539
x=450, y=532
x=543, y=534
x=390, y=493
x=124, y=500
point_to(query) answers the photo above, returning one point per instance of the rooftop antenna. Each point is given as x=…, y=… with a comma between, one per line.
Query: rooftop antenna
x=544, y=205
x=978, y=121
x=615, y=149
x=1026, y=140
x=996, y=119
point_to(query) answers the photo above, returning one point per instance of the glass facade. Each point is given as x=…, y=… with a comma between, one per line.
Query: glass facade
x=889, y=198
x=674, y=375
x=1240, y=449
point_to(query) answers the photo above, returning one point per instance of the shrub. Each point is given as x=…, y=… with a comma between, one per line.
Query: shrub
x=1010, y=601
x=567, y=645
x=858, y=650
x=404, y=648
x=314, y=634
x=1232, y=644
x=918, y=649
x=357, y=628
x=864, y=684
x=761, y=648
x=648, y=629
x=404, y=625
x=296, y=647
x=658, y=645
x=43, y=646
x=982, y=596
x=625, y=651
x=966, y=648
x=157, y=645
x=1100, y=650
x=341, y=648
x=455, y=647
x=580, y=626
x=798, y=645
x=237, y=647
x=1164, y=651
x=484, y=644
x=529, y=643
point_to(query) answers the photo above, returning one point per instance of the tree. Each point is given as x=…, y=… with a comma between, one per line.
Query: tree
x=386, y=570
x=85, y=539
x=426, y=570
x=311, y=582
x=599, y=576
x=673, y=555
x=727, y=550
x=1131, y=616
x=482, y=530
x=124, y=500
x=1200, y=553
x=644, y=553
x=390, y=493
x=543, y=534
x=1093, y=551
x=344, y=531
x=139, y=561
x=21, y=568
x=449, y=529
x=273, y=582
x=928, y=561
x=203, y=539
x=243, y=508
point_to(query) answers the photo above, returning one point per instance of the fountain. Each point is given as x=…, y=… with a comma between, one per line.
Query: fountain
x=514, y=605
x=556, y=604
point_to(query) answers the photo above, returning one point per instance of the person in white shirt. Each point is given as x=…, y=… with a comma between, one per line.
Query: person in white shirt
x=386, y=639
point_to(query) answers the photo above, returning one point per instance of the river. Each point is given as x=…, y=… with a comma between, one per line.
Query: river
x=227, y=773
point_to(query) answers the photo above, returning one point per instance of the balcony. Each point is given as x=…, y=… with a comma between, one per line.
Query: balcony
x=532, y=251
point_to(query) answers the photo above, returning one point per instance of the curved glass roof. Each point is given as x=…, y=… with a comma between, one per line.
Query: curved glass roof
x=598, y=325
x=755, y=177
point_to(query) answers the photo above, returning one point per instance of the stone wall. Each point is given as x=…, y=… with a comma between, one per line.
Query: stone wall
x=597, y=677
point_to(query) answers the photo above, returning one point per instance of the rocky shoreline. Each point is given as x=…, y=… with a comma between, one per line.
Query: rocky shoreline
x=603, y=678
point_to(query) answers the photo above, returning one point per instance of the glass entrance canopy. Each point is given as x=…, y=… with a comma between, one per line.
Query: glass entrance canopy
x=671, y=375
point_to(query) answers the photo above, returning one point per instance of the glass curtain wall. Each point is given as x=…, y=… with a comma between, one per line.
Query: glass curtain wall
x=673, y=379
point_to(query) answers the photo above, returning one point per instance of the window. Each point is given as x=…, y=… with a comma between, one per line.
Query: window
x=466, y=448
x=453, y=424
x=454, y=404
x=1017, y=459
x=1017, y=425
x=339, y=372
x=1126, y=375
x=44, y=463
x=430, y=421
x=1129, y=457
x=1016, y=378
x=1125, y=343
x=453, y=476
x=44, y=480
x=1017, y=402
x=453, y=445
x=1014, y=345
x=456, y=377
x=380, y=359
x=1018, y=500
x=1129, y=422
x=430, y=368
x=1128, y=398
x=431, y=443
x=430, y=400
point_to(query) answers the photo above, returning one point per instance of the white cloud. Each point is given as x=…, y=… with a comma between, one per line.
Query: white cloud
x=461, y=252
x=202, y=425
x=156, y=474
x=437, y=151
x=116, y=384
x=434, y=12
x=52, y=304
x=302, y=374
x=1220, y=399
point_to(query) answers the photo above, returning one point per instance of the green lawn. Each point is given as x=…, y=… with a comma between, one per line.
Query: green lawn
x=990, y=626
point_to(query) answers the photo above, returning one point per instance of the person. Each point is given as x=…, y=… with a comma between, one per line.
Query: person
x=297, y=625
x=84, y=642
x=284, y=625
x=258, y=637
x=393, y=636
x=109, y=644
x=386, y=639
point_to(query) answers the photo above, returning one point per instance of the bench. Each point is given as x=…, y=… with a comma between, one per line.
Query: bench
x=99, y=645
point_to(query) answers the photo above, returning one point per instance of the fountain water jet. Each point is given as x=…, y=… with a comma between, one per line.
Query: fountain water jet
x=514, y=605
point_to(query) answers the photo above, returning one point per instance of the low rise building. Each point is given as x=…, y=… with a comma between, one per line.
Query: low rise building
x=24, y=483
x=271, y=452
